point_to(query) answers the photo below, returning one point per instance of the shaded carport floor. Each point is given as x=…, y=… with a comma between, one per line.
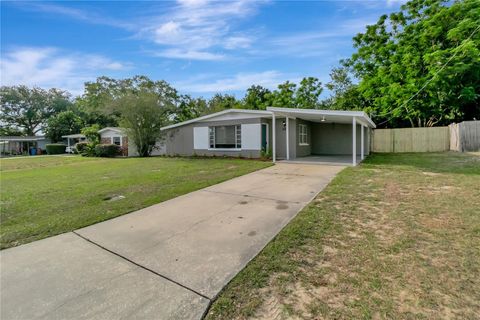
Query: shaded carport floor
x=165, y=261
x=326, y=159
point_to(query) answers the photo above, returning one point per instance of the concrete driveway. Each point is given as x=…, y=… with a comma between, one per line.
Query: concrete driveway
x=167, y=261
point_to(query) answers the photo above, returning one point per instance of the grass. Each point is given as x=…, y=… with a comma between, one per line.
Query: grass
x=397, y=237
x=45, y=196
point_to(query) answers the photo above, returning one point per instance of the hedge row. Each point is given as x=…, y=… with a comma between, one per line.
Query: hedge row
x=55, y=148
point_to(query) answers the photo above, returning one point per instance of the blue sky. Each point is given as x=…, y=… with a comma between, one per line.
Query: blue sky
x=199, y=46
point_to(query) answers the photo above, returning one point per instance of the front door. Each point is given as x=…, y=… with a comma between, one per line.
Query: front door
x=264, y=136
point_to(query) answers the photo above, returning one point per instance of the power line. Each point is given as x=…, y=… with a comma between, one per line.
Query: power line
x=430, y=80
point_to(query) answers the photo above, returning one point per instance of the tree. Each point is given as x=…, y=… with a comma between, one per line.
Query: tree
x=420, y=66
x=96, y=105
x=28, y=109
x=221, y=102
x=63, y=123
x=143, y=113
x=344, y=93
x=308, y=93
x=256, y=98
x=189, y=108
x=284, y=97
x=288, y=95
x=9, y=131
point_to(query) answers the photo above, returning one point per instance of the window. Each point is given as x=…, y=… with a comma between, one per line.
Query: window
x=302, y=134
x=116, y=140
x=225, y=137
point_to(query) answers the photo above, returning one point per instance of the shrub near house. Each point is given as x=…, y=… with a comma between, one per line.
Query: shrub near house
x=55, y=148
x=108, y=150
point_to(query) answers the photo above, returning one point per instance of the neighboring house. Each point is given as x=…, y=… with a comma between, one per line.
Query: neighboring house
x=298, y=133
x=114, y=135
x=17, y=145
x=72, y=139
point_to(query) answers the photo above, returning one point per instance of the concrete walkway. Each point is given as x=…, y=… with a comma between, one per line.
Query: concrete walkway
x=167, y=261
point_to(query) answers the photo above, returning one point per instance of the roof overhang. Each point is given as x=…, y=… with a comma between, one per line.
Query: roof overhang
x=259, y=113
x=74, y=136
x=26, y=139
x=118, y=130
x=324, y=116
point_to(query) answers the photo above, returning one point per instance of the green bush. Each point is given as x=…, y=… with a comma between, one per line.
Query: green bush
x=55, y=148
x=80, y=147
x=107, y=150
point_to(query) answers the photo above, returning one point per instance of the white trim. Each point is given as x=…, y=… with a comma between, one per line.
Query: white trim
x=274, y=157
x=117, y=130
x=362, y=155
x=302, y=125
x=354, y=141
x=295, y=111
x=224, y=149
x=208, y=116
x=287, y=140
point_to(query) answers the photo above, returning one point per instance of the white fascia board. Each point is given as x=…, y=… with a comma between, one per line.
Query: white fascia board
x=293, y=111
x=110, y=129
x=216, y=114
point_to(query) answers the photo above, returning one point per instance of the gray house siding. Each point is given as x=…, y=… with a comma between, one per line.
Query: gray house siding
x=281, y=147
x=179, y=141
x=302, y=150
x=336, y=139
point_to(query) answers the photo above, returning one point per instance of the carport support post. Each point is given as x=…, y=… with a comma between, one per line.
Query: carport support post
x=362, y=155
x=273, y=138
x=354, y=141
x=286, y=139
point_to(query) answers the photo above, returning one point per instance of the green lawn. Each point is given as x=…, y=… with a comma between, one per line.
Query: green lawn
x=397, y=237
x=45, y=196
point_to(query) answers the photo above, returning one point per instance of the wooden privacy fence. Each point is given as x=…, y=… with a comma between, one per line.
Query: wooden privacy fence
x=430, y=139
x=464, y=136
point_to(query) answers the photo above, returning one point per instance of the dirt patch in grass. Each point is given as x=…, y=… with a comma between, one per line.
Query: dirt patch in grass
x=384, y=240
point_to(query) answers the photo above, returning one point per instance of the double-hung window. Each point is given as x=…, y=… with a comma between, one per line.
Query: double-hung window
x=225, y=137
x=116, y=140
x=302, y=134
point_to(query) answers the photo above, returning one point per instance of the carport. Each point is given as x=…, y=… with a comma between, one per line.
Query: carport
x=325, y=136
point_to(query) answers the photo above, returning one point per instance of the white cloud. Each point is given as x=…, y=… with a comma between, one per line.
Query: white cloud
x=241, y=81
x=315, y=43
x=391, y=3
x=82, y=15
x=236, y=42
x=51, y=67
x=200, y=26
x=189, y=54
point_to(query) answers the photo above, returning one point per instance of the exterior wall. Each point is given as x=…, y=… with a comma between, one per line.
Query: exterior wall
x=302, y=150
x=106, y=137
x=336, y=139
x=157, y=151
x=281, y=134
x=180, y=140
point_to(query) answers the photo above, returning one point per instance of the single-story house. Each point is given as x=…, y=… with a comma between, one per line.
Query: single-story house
x=114, y=135
x=22, y=145
x=286, y=133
